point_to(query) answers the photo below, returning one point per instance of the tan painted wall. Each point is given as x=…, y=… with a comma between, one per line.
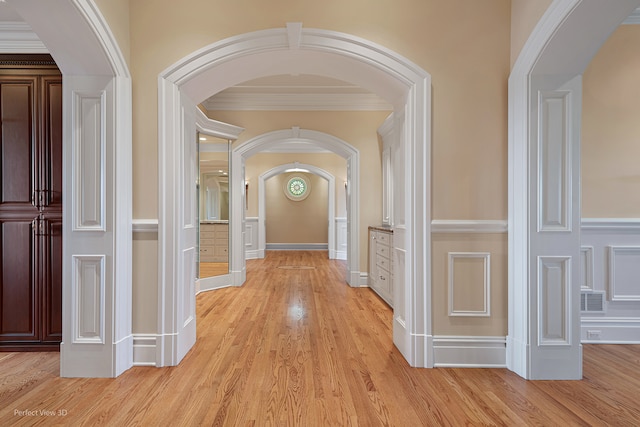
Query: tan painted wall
x=117, y=14
x=611, y=128
x=525, y=14
x=304, y=221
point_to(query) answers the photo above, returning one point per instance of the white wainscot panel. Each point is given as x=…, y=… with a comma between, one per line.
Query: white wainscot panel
x=189, y=280
x=554, y=189
x=251, y=238
x=624, y=273
x=586, y=268
x=554, y=320
x=469, y=284
x=89, y=161
x=341, y=238
x=88, y=289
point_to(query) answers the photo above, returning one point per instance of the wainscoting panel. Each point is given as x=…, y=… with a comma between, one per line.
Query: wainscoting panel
x=613, y=247
x=469, y=284
x=89, y=161
x=251, y=239
x=88, y=299
x=554, y=276
x=341, y=238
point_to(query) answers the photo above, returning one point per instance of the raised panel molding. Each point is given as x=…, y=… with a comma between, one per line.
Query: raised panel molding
x=554, y=167
x=341, y=238
x=586, y=268
x=624, y=271
x=89, y=161
x=554, y=301
x=189, y=284
x=88, y=296
x=484, y=280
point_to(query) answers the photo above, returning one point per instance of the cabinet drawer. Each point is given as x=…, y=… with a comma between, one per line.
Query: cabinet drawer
x=382, y=250
x=383, y=280
x=207, y=234
x=383, y=263
x=384, y=238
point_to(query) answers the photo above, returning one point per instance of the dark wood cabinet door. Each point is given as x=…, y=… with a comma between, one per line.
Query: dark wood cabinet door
x=30, y=210
x=19, y=320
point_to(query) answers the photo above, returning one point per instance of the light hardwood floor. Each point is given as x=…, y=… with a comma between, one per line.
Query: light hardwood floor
x=296, y=346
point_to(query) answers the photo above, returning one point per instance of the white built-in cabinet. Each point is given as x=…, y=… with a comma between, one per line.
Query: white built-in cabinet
x=380, y=262
x=214, y=242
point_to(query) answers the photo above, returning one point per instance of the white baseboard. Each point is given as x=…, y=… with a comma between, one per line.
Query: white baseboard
x=253, y=254
x=297, y=246
x=469, y=352
x=364, y=279
x=212, y=283
x=611, y=330
x=144, y=349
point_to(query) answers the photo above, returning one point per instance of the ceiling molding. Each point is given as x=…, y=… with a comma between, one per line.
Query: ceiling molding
x=633, y=19
x=296, y=102
x=18, y=37
x=215, y=128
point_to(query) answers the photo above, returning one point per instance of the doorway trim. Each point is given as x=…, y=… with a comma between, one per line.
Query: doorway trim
x=262, y=205
x=332, y=54
x=578, y=27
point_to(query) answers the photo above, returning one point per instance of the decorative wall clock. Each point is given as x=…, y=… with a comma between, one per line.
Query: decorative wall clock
x=297, y=187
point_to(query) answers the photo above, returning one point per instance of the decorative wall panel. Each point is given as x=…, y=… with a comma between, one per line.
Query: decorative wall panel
x=586, y=268
x=624, y=273
x=554, y=282
x=469, y=284
x=89, y=161
x=189, y=284
x=554, y=167
x=88, y=299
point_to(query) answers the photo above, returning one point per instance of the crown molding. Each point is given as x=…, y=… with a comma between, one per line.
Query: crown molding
x=296, y=102
x=18, y=37
x=633, y=19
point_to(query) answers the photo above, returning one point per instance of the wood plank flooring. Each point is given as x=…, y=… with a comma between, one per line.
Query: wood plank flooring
x=295, y=346
x=210, y=269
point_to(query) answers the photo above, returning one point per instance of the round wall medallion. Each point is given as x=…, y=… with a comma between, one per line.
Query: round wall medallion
x=297, y=188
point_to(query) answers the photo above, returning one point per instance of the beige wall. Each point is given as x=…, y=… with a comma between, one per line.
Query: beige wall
x=117, y=14
x=464, y=45
x=525, y=14
x=304, y=221
x=611, y=128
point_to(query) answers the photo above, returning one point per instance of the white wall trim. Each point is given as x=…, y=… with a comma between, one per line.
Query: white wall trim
x=296, y=102
x=469, y=226
x=469, y=351
x=297, y=247
x=204, y=284
x=216, y=128
x=610, y=330
x=618, y=279
x=18, y=37
x=144, y=225
x=486, y=284
x=144, y=349
x=612, y=225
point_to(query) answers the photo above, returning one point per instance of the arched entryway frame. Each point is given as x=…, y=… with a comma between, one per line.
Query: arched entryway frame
x=321, y=140
x=545, y=91
x=285, y=51
x=97, y=339
x=262, y=205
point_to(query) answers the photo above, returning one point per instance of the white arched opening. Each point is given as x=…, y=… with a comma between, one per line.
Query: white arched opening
x=544, y=186
x=293, y=50
x=262, y=206
x=97, y=339
x=320, y=140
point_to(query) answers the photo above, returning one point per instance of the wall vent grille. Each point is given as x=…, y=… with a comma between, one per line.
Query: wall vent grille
x=592, y=302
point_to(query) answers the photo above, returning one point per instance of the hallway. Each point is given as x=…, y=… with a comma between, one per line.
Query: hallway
x=297, y=346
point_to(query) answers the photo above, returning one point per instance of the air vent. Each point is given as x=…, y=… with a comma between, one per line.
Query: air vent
x=592, y=302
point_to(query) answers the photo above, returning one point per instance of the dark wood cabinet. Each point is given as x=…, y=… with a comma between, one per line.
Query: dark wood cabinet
x=30, y=203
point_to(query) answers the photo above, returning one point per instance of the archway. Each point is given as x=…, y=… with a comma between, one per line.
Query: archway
x=97, y=339
x=544, y=186
x=330, y=143
x=262, y=210
x=304, y=51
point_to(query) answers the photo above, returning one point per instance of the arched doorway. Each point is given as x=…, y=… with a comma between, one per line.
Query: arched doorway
x=262, y=209
x=97, y=339
x=304, y=51
x=544, y=186
x=325, y=141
